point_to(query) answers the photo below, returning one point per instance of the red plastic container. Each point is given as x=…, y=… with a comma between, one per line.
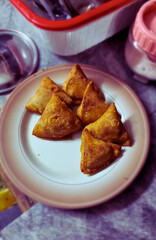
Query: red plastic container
x=72, y=36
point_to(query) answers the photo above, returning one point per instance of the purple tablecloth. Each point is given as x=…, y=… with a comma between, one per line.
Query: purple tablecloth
x=132, y=214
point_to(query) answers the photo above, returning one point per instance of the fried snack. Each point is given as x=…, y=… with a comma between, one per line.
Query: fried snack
x=75, y=83
x=96, y=154
x=57, y=120
x=43, y=94
x=93, y=104
x=110, y=128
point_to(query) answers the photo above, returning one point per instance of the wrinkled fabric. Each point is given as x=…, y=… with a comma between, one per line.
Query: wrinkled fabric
x=132, y=214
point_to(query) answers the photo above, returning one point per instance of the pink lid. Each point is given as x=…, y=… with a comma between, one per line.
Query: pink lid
x=144, y=29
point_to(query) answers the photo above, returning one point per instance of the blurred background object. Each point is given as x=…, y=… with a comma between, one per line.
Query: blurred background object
x=6, y=198
x=18, y=58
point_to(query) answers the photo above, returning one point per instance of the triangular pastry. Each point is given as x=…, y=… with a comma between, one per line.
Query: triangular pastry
x=75, y=83
x=57, y=120
x=96, y=154
x=93, y=104
x=110, y=128
x=43, y=94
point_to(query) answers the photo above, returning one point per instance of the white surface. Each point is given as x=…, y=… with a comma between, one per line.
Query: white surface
x=49, y=171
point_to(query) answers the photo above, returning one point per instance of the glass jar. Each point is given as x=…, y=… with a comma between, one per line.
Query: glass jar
x=140, y=48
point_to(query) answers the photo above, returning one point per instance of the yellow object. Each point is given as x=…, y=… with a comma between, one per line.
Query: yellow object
x=6, y=199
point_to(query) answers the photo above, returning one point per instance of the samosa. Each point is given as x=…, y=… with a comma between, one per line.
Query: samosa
x=43, y=94
x=75, y=83
x=57, y=120
x=110, y=128
x=96, y=154
x=93, y=104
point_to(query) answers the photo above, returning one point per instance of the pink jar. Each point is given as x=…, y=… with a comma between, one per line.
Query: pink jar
x=140, y=48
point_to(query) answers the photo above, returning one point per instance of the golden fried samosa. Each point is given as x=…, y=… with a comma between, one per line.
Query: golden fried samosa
x=43, y=94
x=96, y=154
x=75, y=83
x=110, y=128
x=93, y=104
x=57, y=120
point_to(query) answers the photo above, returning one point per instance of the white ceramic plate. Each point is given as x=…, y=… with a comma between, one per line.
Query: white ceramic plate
x=49, y=171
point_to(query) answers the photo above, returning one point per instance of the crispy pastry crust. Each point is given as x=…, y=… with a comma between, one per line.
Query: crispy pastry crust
x=110, y=128
x=57, y=120
x=96, y=154
x=75, y=83
x=43, y=94
x=93, y=104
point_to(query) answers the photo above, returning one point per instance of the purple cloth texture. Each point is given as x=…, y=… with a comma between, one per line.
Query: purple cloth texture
x=130, y=215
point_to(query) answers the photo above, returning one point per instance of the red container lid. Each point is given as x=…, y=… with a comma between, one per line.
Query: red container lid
x=78, y=21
